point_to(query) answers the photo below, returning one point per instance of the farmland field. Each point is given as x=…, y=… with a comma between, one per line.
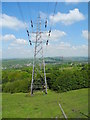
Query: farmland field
x=22, y=105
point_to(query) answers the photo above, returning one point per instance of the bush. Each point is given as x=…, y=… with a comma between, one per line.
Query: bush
x=17, y=86
x=60, y=80
x=66, y=80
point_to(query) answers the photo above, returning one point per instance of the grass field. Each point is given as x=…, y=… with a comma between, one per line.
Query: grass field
x=21, y=105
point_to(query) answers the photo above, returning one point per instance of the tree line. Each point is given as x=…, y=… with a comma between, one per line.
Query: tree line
x=58, y=78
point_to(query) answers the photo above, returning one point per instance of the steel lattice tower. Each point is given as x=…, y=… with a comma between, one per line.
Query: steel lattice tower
x=38, y=72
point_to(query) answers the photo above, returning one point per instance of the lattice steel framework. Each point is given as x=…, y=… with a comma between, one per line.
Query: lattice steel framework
x=38, y=72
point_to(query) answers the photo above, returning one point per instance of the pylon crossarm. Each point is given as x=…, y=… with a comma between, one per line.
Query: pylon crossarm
x=43, y=41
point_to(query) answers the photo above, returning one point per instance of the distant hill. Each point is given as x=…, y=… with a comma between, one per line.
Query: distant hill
x=10, y=63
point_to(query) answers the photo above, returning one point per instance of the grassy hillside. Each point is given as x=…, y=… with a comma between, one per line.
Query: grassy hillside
x=21, y=105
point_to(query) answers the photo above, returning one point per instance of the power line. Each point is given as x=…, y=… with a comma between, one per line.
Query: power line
x=53, y=18
x=54, y=13
x=28, y=33
x=48, y=8
x=55, y=8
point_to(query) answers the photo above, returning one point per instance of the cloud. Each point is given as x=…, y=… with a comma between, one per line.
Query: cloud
x=10, y=22
x=14, y=41
x=66, y=49
x=67, y=18
x=62, y=49
x=15, y=47
x=64, y=46
x=21, y=42
x=18, y=43
x=85, y=34
x=55, y=35
x=19, y=47
x=17, y=52
x=7, y=37
x=0, y=37
x=43, y=15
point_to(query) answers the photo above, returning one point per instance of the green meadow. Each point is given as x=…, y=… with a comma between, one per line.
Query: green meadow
x=40, y=105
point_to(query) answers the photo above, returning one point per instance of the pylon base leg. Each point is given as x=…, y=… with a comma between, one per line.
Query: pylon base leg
x=31, y=89
x=46, y=92
x=31, y=93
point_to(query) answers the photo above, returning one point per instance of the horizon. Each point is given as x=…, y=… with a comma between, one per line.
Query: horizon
x=47, y=57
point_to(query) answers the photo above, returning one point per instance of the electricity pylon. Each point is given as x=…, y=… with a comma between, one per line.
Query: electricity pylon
x=38, y=72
